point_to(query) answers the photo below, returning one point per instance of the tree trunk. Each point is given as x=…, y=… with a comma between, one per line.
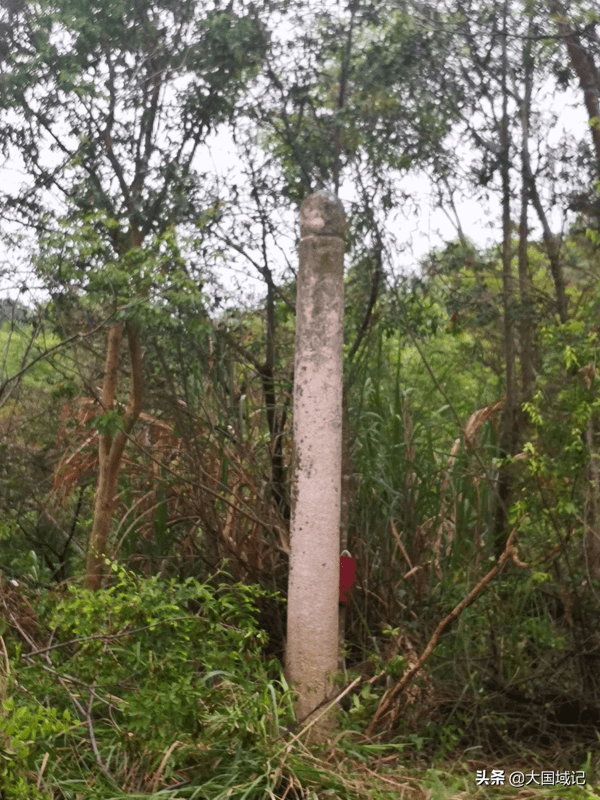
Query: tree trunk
x=583, y=63
x=526, y=310
x=346, y=501
x=552, y=244
x=112, y=445
x=508, y=432
x=312, y=616
x=275, y=422
x=592, y=509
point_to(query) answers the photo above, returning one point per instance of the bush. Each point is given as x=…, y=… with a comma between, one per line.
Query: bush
x=167, y=679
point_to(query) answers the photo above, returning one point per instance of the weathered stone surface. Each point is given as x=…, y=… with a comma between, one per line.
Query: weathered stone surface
x=312, y=630
x=322, y=214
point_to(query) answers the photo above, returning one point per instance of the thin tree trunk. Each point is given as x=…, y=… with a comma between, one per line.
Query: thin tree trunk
x=508, y=433
x=275, y=422
x=592, y=509
x=344, y=515
x=551, y=241
x=341, y=101
x=526, y=309
x=111, y=445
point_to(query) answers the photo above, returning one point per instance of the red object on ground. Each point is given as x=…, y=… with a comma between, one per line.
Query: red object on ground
x=347, y=577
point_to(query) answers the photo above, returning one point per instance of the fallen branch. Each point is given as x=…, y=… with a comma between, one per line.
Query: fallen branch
x=388, y=698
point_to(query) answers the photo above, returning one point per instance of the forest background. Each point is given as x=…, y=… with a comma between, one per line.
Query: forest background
x=145, y=404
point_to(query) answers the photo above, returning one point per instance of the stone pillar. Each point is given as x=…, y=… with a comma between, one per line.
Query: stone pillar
x=312, y=627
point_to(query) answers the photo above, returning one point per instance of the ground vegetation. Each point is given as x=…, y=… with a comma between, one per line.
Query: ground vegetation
x=145, y=490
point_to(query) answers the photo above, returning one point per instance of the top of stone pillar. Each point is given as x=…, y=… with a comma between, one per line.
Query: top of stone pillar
x=322, y=214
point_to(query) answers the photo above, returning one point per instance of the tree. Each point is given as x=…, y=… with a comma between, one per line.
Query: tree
x=581, y=57
x=107, y=106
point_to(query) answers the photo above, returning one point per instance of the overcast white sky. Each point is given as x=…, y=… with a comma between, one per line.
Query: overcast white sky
x=422, y=226
x=417, y=229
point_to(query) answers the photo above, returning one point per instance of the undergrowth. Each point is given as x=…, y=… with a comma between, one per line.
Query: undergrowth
x=159, y=689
